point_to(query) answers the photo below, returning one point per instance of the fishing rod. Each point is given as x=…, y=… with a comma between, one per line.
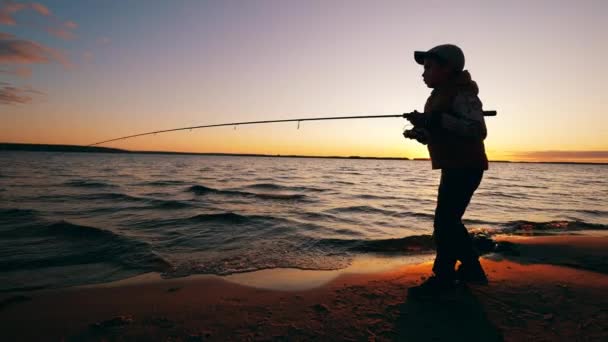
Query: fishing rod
x=404, y=115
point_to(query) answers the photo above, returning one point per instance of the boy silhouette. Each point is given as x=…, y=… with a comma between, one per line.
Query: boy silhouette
x=453, y=128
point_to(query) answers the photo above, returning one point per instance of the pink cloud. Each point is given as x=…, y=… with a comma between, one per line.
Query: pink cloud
x=19, y=54
x=16, y=51
x=7, y=10
x=10, y=95
x=40, y=8
x=63, y=31
x=60, y=32
x=56, y=27
x=10, y=8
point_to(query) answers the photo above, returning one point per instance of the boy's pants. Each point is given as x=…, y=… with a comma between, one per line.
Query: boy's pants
x=452, y=239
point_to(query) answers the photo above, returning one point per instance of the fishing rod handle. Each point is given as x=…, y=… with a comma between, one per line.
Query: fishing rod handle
x=485, y=113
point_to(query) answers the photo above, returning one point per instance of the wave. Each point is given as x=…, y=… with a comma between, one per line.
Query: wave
x=14, y=220
x=279, y=196
x=414, y=214
x=495, y=194
x=524, y=227
x=413, y=244
x=593, y=212
x=83, y=183
x=202, y=190
x=68, y=229
x=314, y=215
x=162, y=183
x=372, y=197
x=166, y=204
x=57, y=244
x=222, y=218
x=469, y=221
x=110, y=196
x=343, y=182
x=482, y=239
x=17, y=213
x=278, y=187
x=364, y=209
x=313, y=253
x=532, y=186
x=228, y=217
x=152, y=203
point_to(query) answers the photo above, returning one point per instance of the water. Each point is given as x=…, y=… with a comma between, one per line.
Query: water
x=72, y=218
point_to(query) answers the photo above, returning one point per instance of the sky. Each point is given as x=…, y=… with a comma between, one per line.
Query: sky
x=78, y=72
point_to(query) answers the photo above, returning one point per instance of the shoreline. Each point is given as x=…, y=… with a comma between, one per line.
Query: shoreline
x=525, y=300
x=277, y=279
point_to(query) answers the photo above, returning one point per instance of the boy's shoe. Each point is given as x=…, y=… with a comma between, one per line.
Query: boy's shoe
x=433, y=287
x=472, y=274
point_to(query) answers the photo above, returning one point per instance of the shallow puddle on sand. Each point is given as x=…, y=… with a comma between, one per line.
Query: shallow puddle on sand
x=291, y=279
x=286, y=279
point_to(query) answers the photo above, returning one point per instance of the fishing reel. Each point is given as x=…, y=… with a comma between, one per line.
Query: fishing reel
x=416, y=128
x=419, y=134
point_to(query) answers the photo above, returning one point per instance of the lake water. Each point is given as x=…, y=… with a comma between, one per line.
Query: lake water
x=77, y=218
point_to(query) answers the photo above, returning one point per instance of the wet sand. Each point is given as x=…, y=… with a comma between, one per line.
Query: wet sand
x=555, y=295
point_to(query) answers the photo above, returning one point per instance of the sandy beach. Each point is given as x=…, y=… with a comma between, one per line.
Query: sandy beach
x=525, y=301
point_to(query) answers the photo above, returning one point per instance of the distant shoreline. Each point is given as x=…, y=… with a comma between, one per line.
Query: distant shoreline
x=96, y=149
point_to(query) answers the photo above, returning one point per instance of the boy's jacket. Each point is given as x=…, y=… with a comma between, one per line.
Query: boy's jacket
x=457, y=126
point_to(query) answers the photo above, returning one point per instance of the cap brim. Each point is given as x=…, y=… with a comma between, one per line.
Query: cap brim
x=419, y=56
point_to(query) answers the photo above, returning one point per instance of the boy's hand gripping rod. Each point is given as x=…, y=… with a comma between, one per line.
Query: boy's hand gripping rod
x=404, y=115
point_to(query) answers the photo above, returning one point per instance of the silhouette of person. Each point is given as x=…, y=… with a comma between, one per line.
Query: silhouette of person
x=453, y=128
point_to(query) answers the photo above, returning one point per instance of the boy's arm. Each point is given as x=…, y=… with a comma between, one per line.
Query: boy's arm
x=466, y=120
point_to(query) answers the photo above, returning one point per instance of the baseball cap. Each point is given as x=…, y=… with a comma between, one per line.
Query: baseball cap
x=449, y=53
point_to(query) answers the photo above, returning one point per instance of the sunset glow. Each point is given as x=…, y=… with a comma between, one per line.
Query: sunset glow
x=80, y=72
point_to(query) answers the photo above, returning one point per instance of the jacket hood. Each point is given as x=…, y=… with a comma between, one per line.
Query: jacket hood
x=462, y=82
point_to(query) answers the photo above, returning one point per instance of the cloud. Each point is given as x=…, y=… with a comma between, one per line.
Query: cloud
x=18, y=51
x=21, y=71
x=41, y=9
x=10, y=95
x=70, y=25
x=16, y=55
x=63, y=30
x=556, y=155
x=23, y=53
x=9, y=8
x=55, y=27
x=60, y=32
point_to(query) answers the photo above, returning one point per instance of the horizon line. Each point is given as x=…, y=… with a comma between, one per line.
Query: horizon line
x=31, y=147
